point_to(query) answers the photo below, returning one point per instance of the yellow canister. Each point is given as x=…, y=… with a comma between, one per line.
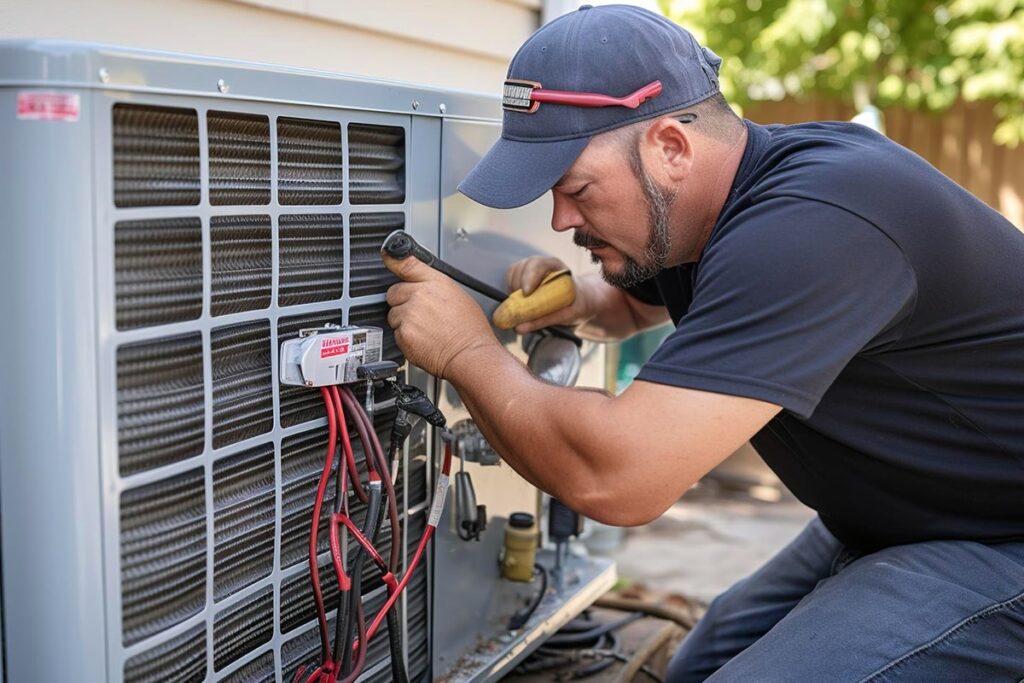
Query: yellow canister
x=521, y=540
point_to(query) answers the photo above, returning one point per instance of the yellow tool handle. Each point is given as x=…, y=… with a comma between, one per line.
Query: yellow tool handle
x=555, y=292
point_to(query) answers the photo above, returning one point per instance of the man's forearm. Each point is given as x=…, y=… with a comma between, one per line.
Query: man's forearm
x=536, y=427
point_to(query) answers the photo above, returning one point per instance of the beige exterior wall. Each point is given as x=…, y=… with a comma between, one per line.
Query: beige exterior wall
x=464, y=44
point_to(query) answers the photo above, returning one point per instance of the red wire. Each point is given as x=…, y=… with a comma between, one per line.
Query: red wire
x=334, y=404
x=344, y=582
x=350, y=458
x=314, y=574
x=360, y=537
x=427, y=534
x=371, y=444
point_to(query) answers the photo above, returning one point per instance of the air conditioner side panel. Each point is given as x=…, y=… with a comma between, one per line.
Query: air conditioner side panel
x=50, y=510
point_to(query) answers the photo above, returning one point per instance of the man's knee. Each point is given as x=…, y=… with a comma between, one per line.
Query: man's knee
x=708, y=646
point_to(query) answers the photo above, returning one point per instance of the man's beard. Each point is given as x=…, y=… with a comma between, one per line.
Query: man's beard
x=659, y=242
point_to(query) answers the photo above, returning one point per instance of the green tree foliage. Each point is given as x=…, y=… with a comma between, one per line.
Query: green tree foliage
x=923, y=54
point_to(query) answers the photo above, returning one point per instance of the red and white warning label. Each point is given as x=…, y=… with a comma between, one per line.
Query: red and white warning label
x=48, y=106
x=333, y=346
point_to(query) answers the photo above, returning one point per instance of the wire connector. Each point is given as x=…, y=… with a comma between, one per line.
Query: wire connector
x=412, y=400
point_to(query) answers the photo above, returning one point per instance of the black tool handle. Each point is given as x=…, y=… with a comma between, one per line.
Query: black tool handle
x=401, y=245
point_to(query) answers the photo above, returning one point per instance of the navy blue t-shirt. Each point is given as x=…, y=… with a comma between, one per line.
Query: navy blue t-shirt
x=882, y=306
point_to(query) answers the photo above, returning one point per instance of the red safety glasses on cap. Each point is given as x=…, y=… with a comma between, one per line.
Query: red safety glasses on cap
x=526, y=96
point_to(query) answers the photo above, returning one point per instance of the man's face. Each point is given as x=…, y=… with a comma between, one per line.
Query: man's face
x=607, y=197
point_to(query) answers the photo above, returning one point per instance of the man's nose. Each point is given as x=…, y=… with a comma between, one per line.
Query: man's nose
x=564, y=214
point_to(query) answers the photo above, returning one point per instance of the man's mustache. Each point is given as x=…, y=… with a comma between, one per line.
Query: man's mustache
x=587, y=241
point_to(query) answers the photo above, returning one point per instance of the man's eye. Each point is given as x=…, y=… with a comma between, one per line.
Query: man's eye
x=580, y=192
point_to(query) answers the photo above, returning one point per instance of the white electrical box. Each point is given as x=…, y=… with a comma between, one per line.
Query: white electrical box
x=329, y=355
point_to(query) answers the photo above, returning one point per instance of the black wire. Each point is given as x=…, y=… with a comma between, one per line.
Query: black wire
x=573, y=639
x=399, y=432
x=520, y=618
x=343, y=638
x=398, y=672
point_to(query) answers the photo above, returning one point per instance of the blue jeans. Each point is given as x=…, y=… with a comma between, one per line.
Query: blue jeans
x=935, y=611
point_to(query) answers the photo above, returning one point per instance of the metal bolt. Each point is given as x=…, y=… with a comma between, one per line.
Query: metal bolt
x=104, y=76
x=309, y=382
x=442, y=108
x=222, y=85
x=415, y=104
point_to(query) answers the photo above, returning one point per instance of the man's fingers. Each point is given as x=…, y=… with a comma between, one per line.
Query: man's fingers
x=535, y=271
x=398, y=294
x=561, y=317
x=514, y=275
x=527, y=273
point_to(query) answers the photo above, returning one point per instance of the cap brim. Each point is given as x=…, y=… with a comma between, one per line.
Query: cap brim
x=515, y=173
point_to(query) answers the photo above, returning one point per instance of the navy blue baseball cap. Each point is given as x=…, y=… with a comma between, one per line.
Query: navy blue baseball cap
x=587, y=72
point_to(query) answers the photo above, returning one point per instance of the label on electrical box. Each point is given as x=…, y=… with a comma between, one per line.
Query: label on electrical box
x=334, y=346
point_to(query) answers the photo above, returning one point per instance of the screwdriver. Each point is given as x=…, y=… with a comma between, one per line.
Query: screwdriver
x=556, y=291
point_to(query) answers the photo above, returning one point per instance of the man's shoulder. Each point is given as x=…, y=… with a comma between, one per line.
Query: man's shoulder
x=827, y=160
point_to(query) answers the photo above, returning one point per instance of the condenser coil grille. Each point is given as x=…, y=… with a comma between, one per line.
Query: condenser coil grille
x=368, y=233
x=158, y=271
x=243, y=405
x=156, y=156
x=241, y=264
x=163, y=554
x=160, y=402
x=179, y=660
x=312, y=258
x=239, y=158
x=309, y=162
x=377, y=164
x=218, y=255
x=244, y=519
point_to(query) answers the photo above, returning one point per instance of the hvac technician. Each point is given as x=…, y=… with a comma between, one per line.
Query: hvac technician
x=837, y=301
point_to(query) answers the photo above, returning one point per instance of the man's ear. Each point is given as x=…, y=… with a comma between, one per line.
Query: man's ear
x=667, y=150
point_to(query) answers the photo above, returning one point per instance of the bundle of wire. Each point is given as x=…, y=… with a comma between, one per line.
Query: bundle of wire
x=581, y=648
x=345, y=661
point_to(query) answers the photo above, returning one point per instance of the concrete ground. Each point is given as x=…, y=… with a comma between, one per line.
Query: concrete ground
x=704, y=544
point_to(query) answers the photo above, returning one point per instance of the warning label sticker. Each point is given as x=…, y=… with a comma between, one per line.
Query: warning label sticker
x=48, y=106
x=334, y=346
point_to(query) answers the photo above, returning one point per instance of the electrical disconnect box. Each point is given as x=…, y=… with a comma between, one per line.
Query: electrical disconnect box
x=329, y=355
x=172, y=225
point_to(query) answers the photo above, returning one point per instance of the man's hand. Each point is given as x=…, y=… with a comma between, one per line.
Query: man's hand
x=527, y=275
x=435, y=322
x=600, y=312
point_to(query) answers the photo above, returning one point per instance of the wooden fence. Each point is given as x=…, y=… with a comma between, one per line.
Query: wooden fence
x=957, y=142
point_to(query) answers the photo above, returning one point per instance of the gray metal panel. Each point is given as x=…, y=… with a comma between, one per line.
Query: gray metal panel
x=424, y=225
x=484, y=242
x=50, y=482
x=111, y=338
x=53, y=63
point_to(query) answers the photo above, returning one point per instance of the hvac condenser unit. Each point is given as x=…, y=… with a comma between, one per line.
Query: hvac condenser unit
x=167, y=222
